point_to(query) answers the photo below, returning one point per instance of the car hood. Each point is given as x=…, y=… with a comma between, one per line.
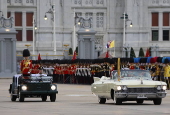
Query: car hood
x=140, y=83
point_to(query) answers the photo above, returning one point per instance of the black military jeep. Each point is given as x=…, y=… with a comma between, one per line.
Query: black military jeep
x=33, y=86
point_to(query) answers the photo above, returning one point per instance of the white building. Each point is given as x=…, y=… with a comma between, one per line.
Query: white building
x=150, y=20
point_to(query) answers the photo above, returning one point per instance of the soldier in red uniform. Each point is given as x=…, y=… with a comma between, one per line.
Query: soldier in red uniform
x=55, y=74
x=35, y=68
x=26, y=63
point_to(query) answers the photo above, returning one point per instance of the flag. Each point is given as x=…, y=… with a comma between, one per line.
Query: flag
x=112, y=44
x=39, y=57
x=147, y=53
x=108, y=44
x=74, y=56
x=107, y=54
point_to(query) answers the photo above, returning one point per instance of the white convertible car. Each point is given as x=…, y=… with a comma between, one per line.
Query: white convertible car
x=129, y=85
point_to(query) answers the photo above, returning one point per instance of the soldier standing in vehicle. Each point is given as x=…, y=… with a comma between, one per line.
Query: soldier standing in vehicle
x=26, y=63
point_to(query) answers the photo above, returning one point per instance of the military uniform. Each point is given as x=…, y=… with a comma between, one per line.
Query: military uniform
x=26, y=64
x=35, y=68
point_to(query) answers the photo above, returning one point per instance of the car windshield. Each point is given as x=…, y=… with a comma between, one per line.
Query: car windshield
x=132, y=74
x=31, y=79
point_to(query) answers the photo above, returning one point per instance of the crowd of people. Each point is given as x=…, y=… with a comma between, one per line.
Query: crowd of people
x=82, y=71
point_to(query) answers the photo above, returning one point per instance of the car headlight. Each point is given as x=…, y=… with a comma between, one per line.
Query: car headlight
x=159, y=87
x=119, y=88
x=124, y=87
x=53, y=87
x=164, y=87
x=24, y=87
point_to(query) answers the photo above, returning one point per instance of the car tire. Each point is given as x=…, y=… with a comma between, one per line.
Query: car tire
x=140, y=101
x=157, y=101
x=21, y=97
x=53, y=97
x=13, y=98
x=118, y=101
x=102, y=100
x=44, y=97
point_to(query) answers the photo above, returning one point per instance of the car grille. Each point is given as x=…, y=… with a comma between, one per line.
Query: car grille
x=38, y=87
x=142, y=90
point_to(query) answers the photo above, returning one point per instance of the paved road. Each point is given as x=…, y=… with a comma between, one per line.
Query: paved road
x=76, y=100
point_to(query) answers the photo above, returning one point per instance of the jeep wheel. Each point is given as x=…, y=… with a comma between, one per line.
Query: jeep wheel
x=157, y=101
x=118, y=101
x=140, y=101
x=53, y=97
x=21, y=97
x=44, y=97
x=13, y=98
x=101, y=100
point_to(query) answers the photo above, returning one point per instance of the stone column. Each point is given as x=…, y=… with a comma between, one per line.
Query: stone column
x=92, y=47
x=2, y=63
x=80, y=54
x=14, y=54
x=128, y=50
x=157, y=50
x=24, y=26
x=94, y=20
x=160, y=38
x=152, y=51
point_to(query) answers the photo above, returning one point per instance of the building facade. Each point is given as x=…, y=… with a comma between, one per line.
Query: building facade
x=150, y=20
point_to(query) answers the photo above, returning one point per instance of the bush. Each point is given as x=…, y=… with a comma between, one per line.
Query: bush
x=132, y=53
x=76, y=50
x=70, y=51
x=141, y=52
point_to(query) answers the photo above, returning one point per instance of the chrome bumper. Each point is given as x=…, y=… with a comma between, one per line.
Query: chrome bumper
x=140, y=95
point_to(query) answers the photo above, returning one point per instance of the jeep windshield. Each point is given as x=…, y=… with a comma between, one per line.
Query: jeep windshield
x=36, y=78
x=132, y=75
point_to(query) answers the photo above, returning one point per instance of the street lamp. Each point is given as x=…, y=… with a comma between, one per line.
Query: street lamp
x=34, y=28
x=125, y=19
x=131, y=24
x=52, y=11
x=74, y=31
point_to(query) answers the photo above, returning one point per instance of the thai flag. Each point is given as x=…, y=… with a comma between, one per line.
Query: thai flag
x=108, y=44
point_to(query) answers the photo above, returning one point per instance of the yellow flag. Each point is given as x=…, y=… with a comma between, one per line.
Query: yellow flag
x=112, y=44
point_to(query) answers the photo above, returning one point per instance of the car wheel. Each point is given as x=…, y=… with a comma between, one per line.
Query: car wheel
x=13, y=98
x=44, y=97
x=157, y=101
x=53, y=97
x=21, y=97
x=118, y=101
x=101, y=100
x=140, y=101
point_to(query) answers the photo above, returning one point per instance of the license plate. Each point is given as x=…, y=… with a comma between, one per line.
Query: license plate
x=141, y=96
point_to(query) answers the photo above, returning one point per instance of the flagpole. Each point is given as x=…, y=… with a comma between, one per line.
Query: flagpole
x=74, y=29
x=114, y=50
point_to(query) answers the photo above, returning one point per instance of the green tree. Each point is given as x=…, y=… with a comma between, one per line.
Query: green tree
x=141, y=52
x=76, y=50
x=70, y=51
x=150, y=51
x=132, y=53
